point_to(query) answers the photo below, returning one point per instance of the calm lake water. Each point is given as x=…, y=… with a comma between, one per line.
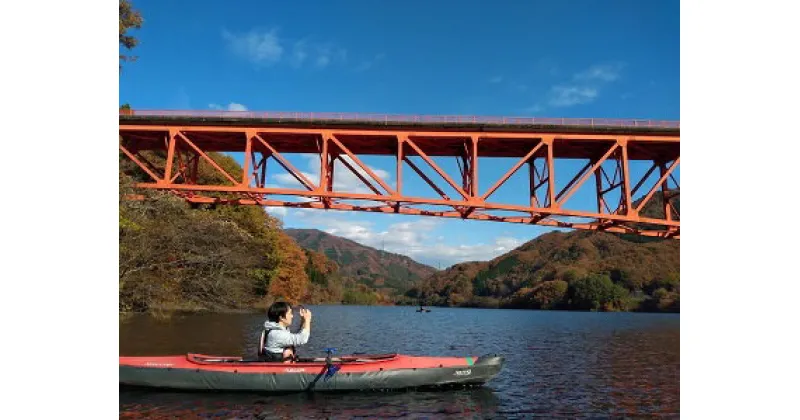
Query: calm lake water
x=558, y=364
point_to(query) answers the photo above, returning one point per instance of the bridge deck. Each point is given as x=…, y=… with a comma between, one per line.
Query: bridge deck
x=401, y=122
x=371, y=134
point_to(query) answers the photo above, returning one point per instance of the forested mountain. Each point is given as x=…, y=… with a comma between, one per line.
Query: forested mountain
x=568, y=270
x=548, y=271
x=385, y=271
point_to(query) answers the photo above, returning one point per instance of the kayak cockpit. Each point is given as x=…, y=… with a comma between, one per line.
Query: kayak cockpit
x=202, y=359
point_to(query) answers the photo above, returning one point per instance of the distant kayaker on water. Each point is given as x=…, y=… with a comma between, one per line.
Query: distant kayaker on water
x=280, y=343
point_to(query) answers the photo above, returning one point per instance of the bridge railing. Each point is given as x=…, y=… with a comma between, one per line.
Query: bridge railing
x=399, y=118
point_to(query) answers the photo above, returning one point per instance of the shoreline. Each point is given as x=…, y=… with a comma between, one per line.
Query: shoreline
x=172, y=311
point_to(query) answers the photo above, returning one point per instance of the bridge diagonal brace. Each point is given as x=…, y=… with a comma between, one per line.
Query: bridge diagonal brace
x=436, y=168
x=149, y=164
x=675, y=181
x=207, y=158
x=611, y=187
x=660, y=181
x=667, y=196
x=358, y=162
x=586, y=174
x=605, y=174
x=572, y=182
x=358, y=175
x=286, y=164
x=541, y=182
x=511, y=171
x=141, y=165
x=430, y=182
x=425, y=178
x=644, y=178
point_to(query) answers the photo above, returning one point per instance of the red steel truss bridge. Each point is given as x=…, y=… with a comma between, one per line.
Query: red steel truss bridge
x=643, y=204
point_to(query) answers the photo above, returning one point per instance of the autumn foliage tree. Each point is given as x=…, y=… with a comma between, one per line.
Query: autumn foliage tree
x=175, y=256
x=291, y=281
x=549, y=294
x=129, y=18
x=597, y=292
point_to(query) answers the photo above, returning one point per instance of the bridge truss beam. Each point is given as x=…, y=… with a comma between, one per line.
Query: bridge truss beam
x=184, y=147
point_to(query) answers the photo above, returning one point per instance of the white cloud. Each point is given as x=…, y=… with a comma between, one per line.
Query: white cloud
x=408, y=238
x=266, y=48
x=299, y=53
x=321, y=54
x=233, y=106
x=277, y=211
x=603, y=72
x=585, y=85
x=323, y=60
x=288, y=180
x=496, y=79
x=259, y=47
x=329, y=53
x=563, y=96
x=355, y=232
x=449, y=255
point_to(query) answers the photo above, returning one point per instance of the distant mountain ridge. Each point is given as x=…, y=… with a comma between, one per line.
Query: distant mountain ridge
x=384, y=271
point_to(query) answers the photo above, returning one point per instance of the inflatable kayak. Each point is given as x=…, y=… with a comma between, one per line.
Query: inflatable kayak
x=344, y=373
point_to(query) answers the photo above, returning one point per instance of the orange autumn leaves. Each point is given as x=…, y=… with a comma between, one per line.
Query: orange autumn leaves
x=291, y=281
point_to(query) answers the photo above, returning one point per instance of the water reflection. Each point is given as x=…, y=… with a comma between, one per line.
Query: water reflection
x=470, y=403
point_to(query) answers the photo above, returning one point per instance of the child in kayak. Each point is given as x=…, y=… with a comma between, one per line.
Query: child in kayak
x=278, y=343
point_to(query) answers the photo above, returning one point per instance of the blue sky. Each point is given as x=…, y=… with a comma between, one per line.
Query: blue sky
x=598, y=59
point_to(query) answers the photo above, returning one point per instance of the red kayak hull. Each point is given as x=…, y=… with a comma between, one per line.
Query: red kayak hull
x=388, y=371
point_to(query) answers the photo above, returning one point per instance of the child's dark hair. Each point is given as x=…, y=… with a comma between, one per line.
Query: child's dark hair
x=277, y=311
